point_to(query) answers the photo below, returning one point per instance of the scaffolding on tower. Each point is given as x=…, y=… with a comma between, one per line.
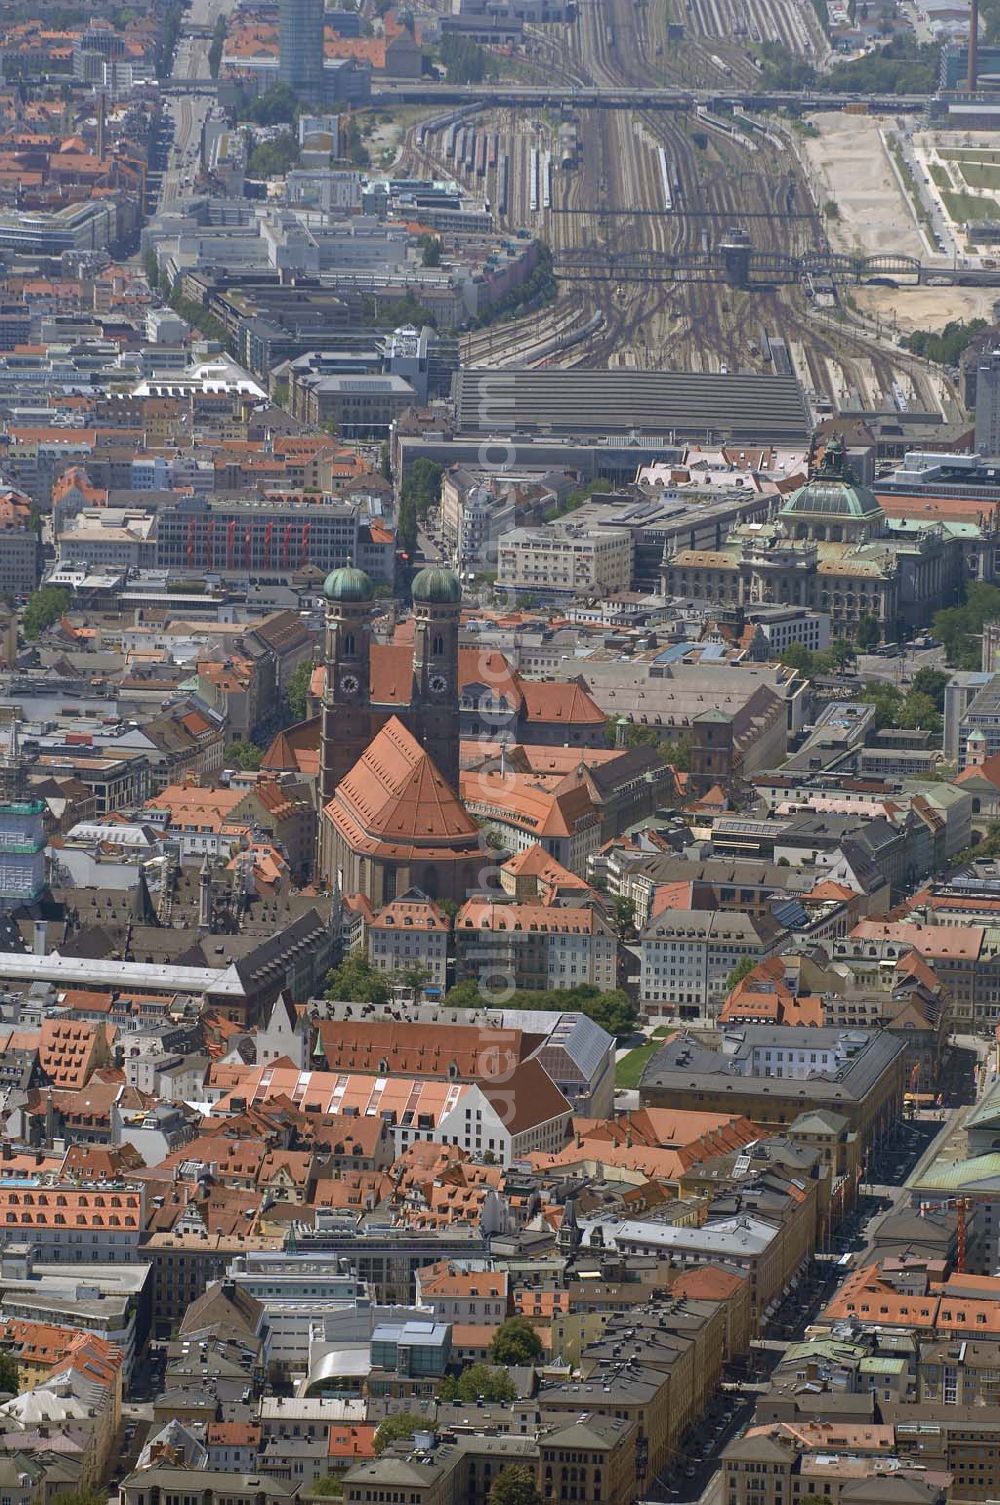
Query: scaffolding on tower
x=13, y=777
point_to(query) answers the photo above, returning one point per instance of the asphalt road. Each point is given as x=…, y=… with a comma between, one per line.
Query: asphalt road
x=899, y=671
x=697, y=1478
x=187, y=112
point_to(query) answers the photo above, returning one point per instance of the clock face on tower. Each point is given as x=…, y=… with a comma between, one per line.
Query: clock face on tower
x=438, y=684
x=348, y=684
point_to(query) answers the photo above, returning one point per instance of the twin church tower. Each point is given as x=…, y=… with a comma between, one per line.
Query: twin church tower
x=368, y=682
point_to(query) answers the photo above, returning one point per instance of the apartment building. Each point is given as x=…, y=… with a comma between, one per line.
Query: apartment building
x=411, y=934
x=20, y=560
x=69, y=1224
x=176, y=1485
x=356, y=406
x=577, y=1054
x=475, y=514
x=772, y=1465
x=464, y=1296
x=965, y=958
x=272, y=537
x=862, y=1081
x=565, y=560
x=535, y=945
x=688, y=954
x=509, y=1112
x=113, y=538
x=594, y=1459
x=567, y=825
x=754, y=1245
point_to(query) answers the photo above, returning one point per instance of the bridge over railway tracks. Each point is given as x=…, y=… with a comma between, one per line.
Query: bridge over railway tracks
x=742, y=267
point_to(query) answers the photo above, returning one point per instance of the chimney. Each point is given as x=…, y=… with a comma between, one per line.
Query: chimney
x=41, y=935
x=102, y=123
x=973, y=47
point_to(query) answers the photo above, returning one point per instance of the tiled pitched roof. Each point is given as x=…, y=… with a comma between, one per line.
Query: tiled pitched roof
x=568, y=704
x=295, y=749
x=396, y=793
x=421, y=1049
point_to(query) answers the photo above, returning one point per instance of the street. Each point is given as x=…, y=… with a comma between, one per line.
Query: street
x=696, y=1478
x=185, y=114
x=900, y=668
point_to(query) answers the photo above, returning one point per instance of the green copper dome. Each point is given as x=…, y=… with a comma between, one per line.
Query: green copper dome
x=436, y=585
x=832, y=491
x=826, y=497
x=348, y=584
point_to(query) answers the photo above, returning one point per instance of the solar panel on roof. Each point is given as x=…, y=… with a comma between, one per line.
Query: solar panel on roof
x=790, y=914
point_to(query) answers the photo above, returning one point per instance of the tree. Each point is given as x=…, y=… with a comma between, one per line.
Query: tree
x=538, y=288
x=886, y=699
x=217, y=44
x=414, y=978
x=944, y=346
x=868, y=633
x=9, y=1381
x=958, y=626
x=515, y=1342
x=515, y=1485
x=933, y=683
x=625, y=917
x=80, y=1497
x=298, y=689
x=329, y=1485
x=422, y=484
x=385, y=461
x=354, y=146
x=357, y=981
x=741, y=970
x=45, y=607
x=406, y=525
x=273, y=159
x=464, y=60
x=465, y=995
x=276, y=106
x=797, y=656
x=483, y=1382
x=431, y=248
x=402, y=1424
x=614, y=1012
x=840, y=653
x=677, y=754
x=245, y=755
x=920, y=713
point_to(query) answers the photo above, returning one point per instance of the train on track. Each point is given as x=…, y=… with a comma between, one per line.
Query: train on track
x=503, y=184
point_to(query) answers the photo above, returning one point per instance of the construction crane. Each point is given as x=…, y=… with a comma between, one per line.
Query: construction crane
x=961, y=1206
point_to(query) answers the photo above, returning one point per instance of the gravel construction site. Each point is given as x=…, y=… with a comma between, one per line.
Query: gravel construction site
x=852, y=166
x=678, y=183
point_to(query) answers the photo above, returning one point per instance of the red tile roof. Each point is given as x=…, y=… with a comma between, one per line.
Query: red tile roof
x=395, y=794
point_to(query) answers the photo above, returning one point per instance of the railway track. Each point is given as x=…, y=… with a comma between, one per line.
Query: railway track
x=616, y=199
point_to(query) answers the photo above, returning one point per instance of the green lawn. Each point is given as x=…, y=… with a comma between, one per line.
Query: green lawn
x=980, y=174
x=970, y=154
x=630, y=1068
x=940, y=175
x=968, y=206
